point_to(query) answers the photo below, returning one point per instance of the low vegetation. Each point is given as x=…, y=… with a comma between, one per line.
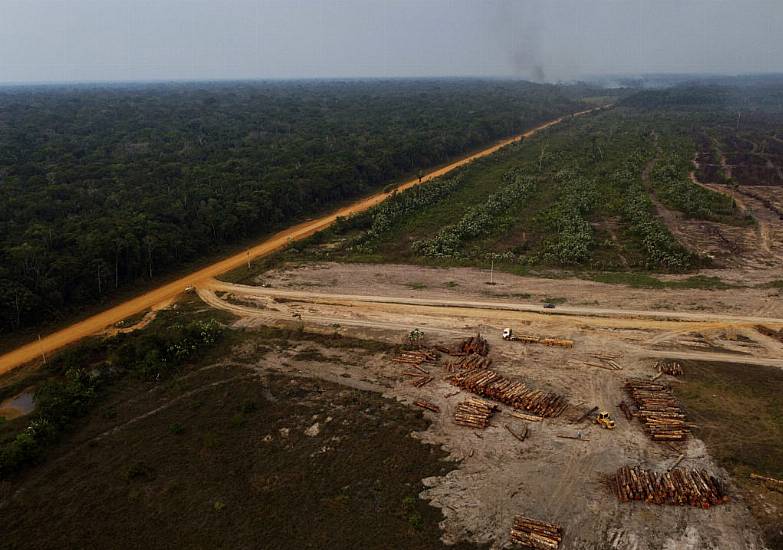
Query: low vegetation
x=739, y=416
x=84, y=373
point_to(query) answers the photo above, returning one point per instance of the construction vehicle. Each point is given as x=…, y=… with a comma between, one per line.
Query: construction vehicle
x=508, y=334
x=604, y=420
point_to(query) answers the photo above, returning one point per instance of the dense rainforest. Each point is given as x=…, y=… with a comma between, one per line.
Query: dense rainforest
x=103, y=186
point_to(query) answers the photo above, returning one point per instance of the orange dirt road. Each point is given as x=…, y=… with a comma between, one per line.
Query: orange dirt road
x=100, y=321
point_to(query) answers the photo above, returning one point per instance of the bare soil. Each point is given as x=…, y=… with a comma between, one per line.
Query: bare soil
x=471, y=283
x=555, y=479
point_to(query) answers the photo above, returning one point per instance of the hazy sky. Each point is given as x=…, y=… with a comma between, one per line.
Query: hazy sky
x=77, y=40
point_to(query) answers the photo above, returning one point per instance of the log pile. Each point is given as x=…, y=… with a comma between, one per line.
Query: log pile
x=468, y=362
x=474, y=344
x=474, y=413
x=427, y=405
x=413, y=360
x=539, y=535
x=676, y=487
x=416, y=357
x=672, y=368
x=488, y=383
x=658, y=410
x=530, y=339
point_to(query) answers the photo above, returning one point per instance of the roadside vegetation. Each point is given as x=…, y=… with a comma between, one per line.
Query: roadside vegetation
x=78, y=378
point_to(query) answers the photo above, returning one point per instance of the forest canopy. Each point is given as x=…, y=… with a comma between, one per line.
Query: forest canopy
x=101, y=187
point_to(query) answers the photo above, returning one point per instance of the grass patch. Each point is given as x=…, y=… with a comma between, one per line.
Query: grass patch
x=357, y=480
x=777, y=283
x=416, y=286
x=739, y=413
x=644, y=280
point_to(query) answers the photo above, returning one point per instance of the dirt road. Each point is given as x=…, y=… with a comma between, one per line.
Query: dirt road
x=642, y=318
x=451, y=317
x=98, y=322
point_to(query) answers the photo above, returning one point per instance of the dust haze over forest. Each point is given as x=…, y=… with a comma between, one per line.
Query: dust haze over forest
x=45, y=41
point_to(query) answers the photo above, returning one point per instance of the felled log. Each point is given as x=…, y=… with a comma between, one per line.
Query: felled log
x=772, y=333
x=474, y=413
x=528, y=417
x=658, y=410
x=521, y=438
x=423, y=381
x=468, y=362
x=416, y=357
x=767, y=479
x=427, y=405
x=588, y=413
x=675, y=487
x=474, y=344
x=546, y=341
x=488, y=383
x=536, y=534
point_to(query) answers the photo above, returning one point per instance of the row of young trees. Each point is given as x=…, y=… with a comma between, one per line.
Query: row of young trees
x=102, y=187
x=396, y=208
x=571, y=234
x=670, y=178
x=478, y=220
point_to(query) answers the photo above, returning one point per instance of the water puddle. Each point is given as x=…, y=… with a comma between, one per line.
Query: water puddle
x=18, y=405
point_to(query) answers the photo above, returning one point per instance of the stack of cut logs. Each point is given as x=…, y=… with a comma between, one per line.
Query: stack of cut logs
x=530, y=339
x=417, y=357
x=672, y=368
x=474, y=413
x=468, y=362
x=536, y=534
x=677, y=487
x=414, y=360
x=474, y=344
x=488, y=383
x=658, y=410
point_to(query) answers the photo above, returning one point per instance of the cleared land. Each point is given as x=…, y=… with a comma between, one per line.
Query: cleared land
x=547, y=476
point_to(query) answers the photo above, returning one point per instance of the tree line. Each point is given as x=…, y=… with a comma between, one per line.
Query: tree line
x=101, y=187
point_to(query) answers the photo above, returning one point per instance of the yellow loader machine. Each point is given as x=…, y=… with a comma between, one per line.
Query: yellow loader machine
x=604, y=420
